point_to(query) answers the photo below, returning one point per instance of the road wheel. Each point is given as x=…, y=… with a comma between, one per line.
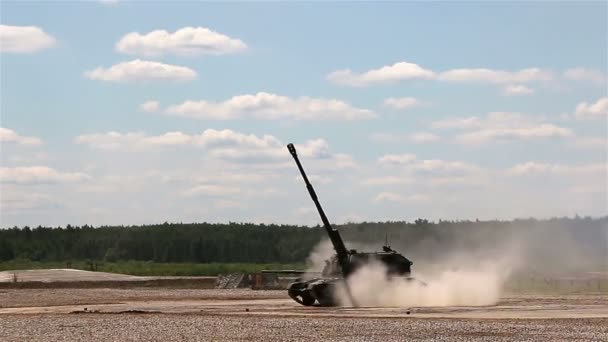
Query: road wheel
x=307, y=299
x=324, y=295
x=301, y=296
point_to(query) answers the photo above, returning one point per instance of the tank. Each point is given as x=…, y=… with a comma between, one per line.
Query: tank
x=321, y=290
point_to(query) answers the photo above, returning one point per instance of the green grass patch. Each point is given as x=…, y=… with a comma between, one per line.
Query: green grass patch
x=145, y=268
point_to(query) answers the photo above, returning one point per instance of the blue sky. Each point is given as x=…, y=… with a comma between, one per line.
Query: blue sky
x=402, y=110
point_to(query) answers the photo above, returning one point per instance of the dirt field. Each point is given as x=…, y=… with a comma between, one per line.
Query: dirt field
x=79, y=279
x=228, y=315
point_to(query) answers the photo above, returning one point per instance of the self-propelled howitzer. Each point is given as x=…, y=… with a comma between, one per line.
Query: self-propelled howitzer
x=345, y=262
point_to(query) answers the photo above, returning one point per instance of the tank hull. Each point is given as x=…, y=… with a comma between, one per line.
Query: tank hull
x=322, y=291
x=319, y=291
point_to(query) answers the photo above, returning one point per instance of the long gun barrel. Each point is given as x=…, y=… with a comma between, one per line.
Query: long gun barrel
x=334, y=235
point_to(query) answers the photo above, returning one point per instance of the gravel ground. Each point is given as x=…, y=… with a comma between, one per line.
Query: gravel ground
x=16, y=298
x=229, y=315
x=165, y=327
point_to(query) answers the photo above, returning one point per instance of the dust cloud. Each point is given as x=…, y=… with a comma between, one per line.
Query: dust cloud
x=472, y=264
x=317, y=259
x=371, y=287
x=322, y=252
x=477, y=284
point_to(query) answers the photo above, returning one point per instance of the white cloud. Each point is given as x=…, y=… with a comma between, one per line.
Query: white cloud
x=187, y=41
x=212, y=190
x=436, y=166
x=520, y=133
x=387, y=196
x=24, y=39
x=482, y=75
x=597, y=110
x=501, y=126
x=513, y=81
x=271, y=106
x=32, y=158
x=304, y=211
x=397, y=159
x=512, y=90
x=423, y=137
x=10, y=136
x=401, y=102
x=150, y=106
x=387, y=137
x=426, y=176
x=587, y=189
x=443, y=166
x=26, y=201
x=457, y=123
x=133, y=140
x=417, y=138
x=229, y=177
x=228, y=204
x=591, y=142
x=225, y=191
x=391, y=73
x=138, y=70
x=473, y=180
x=530, y=168
x=225, y=144
x=238, y=147
x=39, y=174
x=387, y=180
x=394, y=197
x=231, y=145
x=123, y=183
x=583, y=74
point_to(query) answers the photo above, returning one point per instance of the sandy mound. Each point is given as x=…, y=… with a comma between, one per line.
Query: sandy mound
x=63, y=275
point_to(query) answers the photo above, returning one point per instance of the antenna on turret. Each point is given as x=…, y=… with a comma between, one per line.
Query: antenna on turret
x=386, y=247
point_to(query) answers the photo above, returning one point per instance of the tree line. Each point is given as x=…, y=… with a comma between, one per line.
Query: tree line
x=552, y=239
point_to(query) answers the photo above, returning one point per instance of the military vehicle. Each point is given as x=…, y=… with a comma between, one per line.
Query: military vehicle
x=321, y=290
